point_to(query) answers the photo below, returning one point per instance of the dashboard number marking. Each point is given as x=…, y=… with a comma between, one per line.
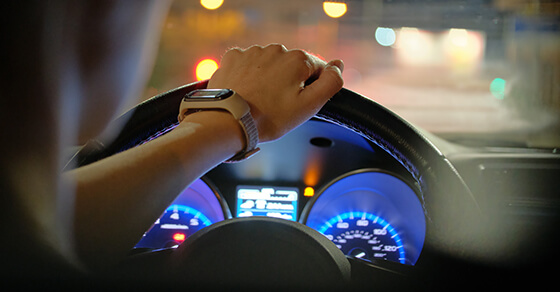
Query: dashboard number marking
x=364, y=235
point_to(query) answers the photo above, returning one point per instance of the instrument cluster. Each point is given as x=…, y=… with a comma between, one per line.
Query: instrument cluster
x=360, y=200
x=368, y=214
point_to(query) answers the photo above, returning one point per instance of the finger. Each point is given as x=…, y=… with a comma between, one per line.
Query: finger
x=327, y=84
x=316, y=66
x=276, y=47
x=309, y=66
x=230, y=55
x=235, y=50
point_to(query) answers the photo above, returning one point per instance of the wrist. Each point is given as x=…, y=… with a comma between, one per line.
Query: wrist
x=217, y=126
x=229, y=101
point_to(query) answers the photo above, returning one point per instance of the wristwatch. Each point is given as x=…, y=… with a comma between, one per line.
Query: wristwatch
x=230, y=101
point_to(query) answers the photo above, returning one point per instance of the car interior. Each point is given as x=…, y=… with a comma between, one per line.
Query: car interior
x=437, y=166
x=402, y=212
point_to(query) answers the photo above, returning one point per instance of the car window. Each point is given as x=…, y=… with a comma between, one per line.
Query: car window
x=483, y=72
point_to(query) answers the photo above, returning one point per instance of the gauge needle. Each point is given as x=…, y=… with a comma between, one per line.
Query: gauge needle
x=360, y=255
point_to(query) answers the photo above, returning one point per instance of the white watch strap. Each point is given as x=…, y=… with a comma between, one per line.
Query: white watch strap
x=233, y=104
x=251, y=138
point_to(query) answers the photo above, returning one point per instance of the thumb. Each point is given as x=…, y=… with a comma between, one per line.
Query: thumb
x=329, y=82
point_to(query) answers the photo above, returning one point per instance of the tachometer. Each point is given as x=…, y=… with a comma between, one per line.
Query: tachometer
x=173, y=227
x=196, y=207
x=364, y=235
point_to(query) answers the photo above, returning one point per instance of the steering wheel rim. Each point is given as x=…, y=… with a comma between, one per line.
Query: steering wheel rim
x=453, y=217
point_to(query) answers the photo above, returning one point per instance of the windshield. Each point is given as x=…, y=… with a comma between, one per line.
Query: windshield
x=479, y=71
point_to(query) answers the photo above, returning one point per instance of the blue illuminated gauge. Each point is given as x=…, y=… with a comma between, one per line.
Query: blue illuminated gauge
x=364, y=235
x=173, y=227
x=390, y=224
x=196, y=207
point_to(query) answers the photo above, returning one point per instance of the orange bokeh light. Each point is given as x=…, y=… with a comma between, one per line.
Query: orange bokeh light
x=205, y=69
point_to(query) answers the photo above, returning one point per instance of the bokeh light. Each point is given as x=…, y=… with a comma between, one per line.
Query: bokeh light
x=211, y=4
x=459, y=37
x=415, y=47
x=334, y=9
x=463, y=48
x=385, y=36
x=205, y=69
x=498, y=88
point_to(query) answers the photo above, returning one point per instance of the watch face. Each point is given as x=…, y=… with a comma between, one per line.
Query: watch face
x=209, y=94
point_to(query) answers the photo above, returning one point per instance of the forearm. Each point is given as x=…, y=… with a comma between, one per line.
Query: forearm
x=118, y=198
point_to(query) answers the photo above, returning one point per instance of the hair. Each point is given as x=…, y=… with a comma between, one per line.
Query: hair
x=48, y=55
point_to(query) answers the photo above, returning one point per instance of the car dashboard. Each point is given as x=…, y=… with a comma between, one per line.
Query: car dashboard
x=321, y=175
x=406, y=208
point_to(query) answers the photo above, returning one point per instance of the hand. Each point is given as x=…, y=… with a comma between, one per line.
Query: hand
x=284, y=88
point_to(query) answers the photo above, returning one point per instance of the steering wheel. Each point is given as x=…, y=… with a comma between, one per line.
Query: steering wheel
x=228, y=250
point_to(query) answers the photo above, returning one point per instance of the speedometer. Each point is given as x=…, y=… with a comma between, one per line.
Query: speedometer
x=370, y=214
x=364, y=235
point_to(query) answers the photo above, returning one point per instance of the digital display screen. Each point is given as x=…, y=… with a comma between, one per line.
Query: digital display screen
x=278, y=202
x=211, y=94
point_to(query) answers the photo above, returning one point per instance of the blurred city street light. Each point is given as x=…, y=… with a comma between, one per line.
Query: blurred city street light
x=334, y=9
x=385, y=36
x=205, y=69
x=211, y=4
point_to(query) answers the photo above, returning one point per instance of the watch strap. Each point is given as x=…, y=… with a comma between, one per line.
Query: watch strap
x=251, y=137
x=235, y=105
